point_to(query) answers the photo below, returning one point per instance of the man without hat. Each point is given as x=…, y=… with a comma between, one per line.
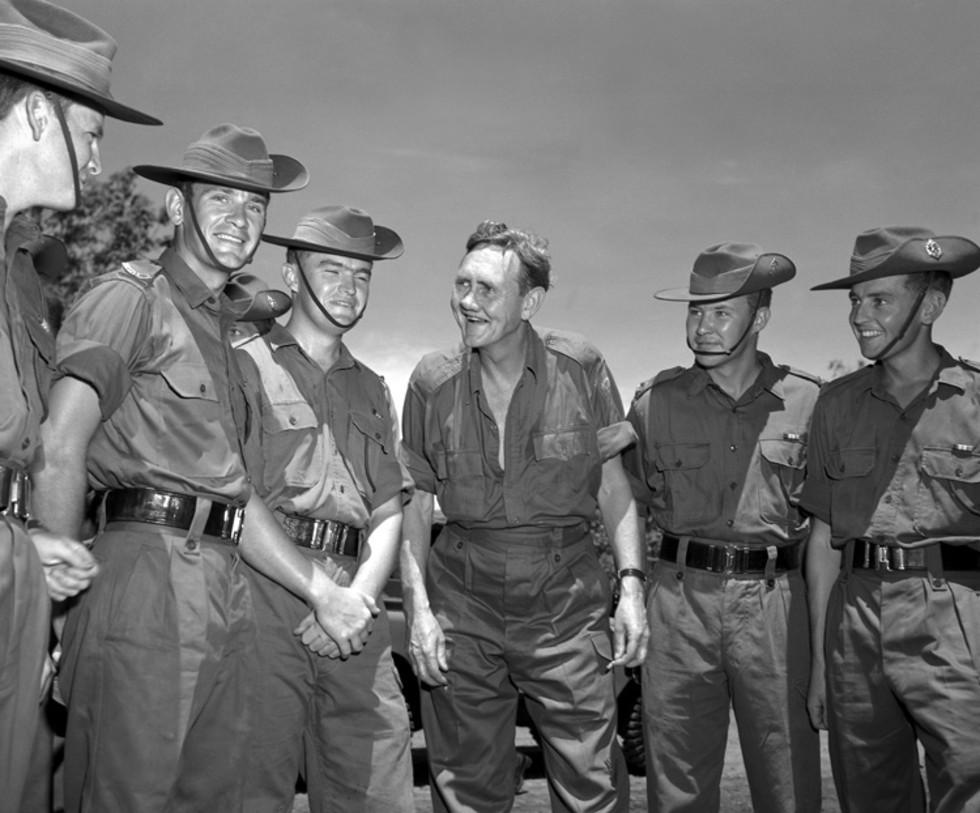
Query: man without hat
x=147, y=411
x=54, y=95
x=519, y=433
x=326, y=463
x=893, y=560
x=719, y=462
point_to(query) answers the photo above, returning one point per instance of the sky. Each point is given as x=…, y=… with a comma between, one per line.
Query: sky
x=632, y=134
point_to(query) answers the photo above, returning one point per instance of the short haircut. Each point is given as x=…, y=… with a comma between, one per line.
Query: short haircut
x=532, y=251
x=930, y=281
x=13, y=89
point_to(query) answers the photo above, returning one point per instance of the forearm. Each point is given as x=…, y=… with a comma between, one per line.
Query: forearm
x=416, y=533
x=380, y=554
x=60, y=476
x=822, y=566
x=621, y=518
x=265, y=546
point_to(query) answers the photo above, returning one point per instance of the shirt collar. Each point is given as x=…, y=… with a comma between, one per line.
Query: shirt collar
x=535, y=359
x=949, y=373
x=279, y=337
x=187, y=282
x=770, y=378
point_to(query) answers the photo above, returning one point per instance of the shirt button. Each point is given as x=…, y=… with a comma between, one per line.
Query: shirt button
x=888, y=499
x=734, y=486
x=730, y=522
x=204, y=388
x=557, y=557
x=26, y=443
x=896, y=458
x=732, y=447
x=292, y=420
x=191, y=544
x=377, y=435
x=959, y=471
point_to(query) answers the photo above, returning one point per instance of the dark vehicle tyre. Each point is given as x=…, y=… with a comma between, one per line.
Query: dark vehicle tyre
x=630, y=713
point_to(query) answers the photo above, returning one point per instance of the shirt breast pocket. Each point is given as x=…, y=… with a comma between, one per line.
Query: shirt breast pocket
x=685, y=484
x=957, y=473
x=292, y=426
x=182, y=411
x=567, y=469
x=462, y=483
x=783, y=465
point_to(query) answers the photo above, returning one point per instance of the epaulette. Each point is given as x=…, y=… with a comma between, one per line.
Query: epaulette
x=568, y=343
x=143, y=270
x=973, y=365
x=815, y=379
x=664, y=375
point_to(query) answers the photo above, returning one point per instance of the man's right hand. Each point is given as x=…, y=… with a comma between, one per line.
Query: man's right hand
x=69, y=566
x=816, y=697
x=427, y=647
x=344, y=613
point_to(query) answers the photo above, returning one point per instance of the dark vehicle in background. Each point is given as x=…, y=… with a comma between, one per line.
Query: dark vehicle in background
x=627, y=681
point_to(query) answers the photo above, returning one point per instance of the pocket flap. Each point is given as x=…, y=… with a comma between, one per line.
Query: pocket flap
x=564, y=444
x=855, y=462
x=680, y=456
x=782, y=452
x=288, y=415
x=190, y=380
x=947, y=464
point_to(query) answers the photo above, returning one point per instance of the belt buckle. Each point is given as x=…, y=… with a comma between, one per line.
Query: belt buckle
x=883, y=561
x=731, y=554
x=318, y=534
x=237, y=523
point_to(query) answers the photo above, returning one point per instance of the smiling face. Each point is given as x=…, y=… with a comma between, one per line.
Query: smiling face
x=230, y=220
x=340, y=284
x=714, y=329
x=880, y=309
x=487, y=301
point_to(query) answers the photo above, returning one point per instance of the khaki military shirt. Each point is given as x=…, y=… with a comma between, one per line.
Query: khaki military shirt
x=712, y=467
x=26, y=345
x=327, y=443
x=910, y=476
x=152, y=341
x=565, y=419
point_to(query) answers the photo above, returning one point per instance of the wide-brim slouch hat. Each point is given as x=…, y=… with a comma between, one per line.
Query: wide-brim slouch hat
x=890, y=251
x=229, y=155
x=728, y=270
x=341, y=230
x=58, y=50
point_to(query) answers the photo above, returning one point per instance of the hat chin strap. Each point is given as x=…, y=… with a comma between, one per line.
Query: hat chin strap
x=70, y=147
x=905, y=328
x=734, y=347
x=319, y=304
x=192, y=216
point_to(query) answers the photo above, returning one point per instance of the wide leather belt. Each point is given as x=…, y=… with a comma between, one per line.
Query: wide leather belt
x=730, y=557
x=15, y=492
x=870, y=555
x=322, y=534
x=171, y=510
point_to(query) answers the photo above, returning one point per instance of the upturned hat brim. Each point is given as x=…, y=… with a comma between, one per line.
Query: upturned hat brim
x=387, y=246
x=65, y=85
x=766, y=271
x=289, y=175
x=957, y=256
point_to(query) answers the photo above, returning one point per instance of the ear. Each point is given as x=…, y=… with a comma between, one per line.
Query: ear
x=290, y=275
x=933, y=304
x=762, y=316
x=531, y=302
x=174, y=203
x=37, y=108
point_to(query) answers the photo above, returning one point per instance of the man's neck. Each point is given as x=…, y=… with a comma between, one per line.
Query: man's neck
x=503, y=362
x=322, y=347
x=909, y=372
x=737, y=374
x=213, y=278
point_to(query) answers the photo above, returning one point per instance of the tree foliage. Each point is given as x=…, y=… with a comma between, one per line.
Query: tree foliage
x=114, y=223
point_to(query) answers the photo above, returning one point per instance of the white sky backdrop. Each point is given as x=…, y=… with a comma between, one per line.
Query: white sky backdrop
x=632, y=134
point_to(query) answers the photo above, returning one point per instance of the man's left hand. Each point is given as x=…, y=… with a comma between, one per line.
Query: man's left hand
x=630, y=629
